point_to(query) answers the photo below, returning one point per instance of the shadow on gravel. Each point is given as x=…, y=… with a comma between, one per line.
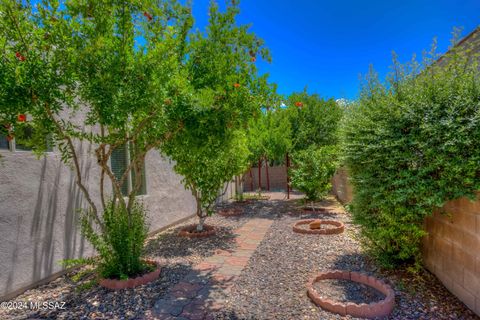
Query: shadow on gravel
x=95, y=302
x=197, y=295
x=170, y=244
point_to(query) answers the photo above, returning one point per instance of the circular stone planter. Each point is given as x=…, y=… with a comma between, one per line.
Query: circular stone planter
x=319, y=209
x=191, y=231
x=231, y=212
x=381, y=308
x=339, y=227
x=247, y=201
x=115, y=284
x=258, y=198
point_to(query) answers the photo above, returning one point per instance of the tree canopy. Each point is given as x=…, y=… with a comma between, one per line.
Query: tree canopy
x=314, y=121
x=227, y=92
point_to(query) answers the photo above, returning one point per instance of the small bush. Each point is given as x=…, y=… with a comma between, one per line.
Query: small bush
x=312, y=171
x=120, y=245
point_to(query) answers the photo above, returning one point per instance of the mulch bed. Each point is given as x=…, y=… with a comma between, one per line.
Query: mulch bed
x=273, y=284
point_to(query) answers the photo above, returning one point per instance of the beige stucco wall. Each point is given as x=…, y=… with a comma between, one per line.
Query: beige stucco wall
x=38, y=211
x=277, y=176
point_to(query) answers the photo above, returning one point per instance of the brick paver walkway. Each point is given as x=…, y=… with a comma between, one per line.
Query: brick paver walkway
x=203, y=290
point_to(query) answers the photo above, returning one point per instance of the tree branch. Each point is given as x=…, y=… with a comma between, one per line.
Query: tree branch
x=76, y=164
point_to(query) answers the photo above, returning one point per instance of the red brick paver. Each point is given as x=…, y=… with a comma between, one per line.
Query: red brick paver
x=202, y=291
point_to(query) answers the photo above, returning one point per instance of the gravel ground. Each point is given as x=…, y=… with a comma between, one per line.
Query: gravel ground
x=347, y=291
x=176, y=254
x=272, y=286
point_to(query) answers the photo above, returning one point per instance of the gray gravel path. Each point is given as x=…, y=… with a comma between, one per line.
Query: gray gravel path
x=272, y=286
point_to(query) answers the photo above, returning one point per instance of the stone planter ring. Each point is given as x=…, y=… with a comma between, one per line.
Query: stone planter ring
x=191, y=231
x=339, y=227
x=116, y=284
x=381, y=308
x=316, y=209
x=231, y=212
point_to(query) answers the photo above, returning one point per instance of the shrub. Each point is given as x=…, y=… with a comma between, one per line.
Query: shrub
x=312, y=171
x=120, y=245
x=411, y=145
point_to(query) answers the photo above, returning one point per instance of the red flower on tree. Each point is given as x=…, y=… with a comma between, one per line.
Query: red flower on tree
x=19, y=56
x=21, y=118
x=148, y=15
x=237, y=85
x=9, y=138
x=253, y=59
x=299, y=104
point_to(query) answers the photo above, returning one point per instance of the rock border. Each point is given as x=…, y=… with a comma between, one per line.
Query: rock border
x=340, y=227
x=381, y=308
x=208, y=231
x=116, y=284
x=230, y=212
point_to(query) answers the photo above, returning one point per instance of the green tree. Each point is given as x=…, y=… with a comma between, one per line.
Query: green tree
x=312, y=171
x=211, y=146
x=269, y=135
x=314, y=121
x=314, y=136
x=107, y=73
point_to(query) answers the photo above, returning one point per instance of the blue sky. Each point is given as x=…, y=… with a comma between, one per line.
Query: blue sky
x=326, y=45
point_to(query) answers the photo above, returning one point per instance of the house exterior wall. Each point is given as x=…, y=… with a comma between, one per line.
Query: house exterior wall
x=38, y=211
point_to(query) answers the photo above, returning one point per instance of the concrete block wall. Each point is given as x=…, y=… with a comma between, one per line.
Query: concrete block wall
x=277, y=176
x=451, y=250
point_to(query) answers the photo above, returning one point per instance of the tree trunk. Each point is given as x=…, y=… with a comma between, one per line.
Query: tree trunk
x=240, y=183
x=260, y=174
x=268, y=176
x=239, y=186
x=201, y=217
x=287, y=164
x=200, y=224
x=251, y=180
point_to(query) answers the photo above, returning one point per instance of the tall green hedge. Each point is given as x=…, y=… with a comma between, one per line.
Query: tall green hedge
x=411, y=144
